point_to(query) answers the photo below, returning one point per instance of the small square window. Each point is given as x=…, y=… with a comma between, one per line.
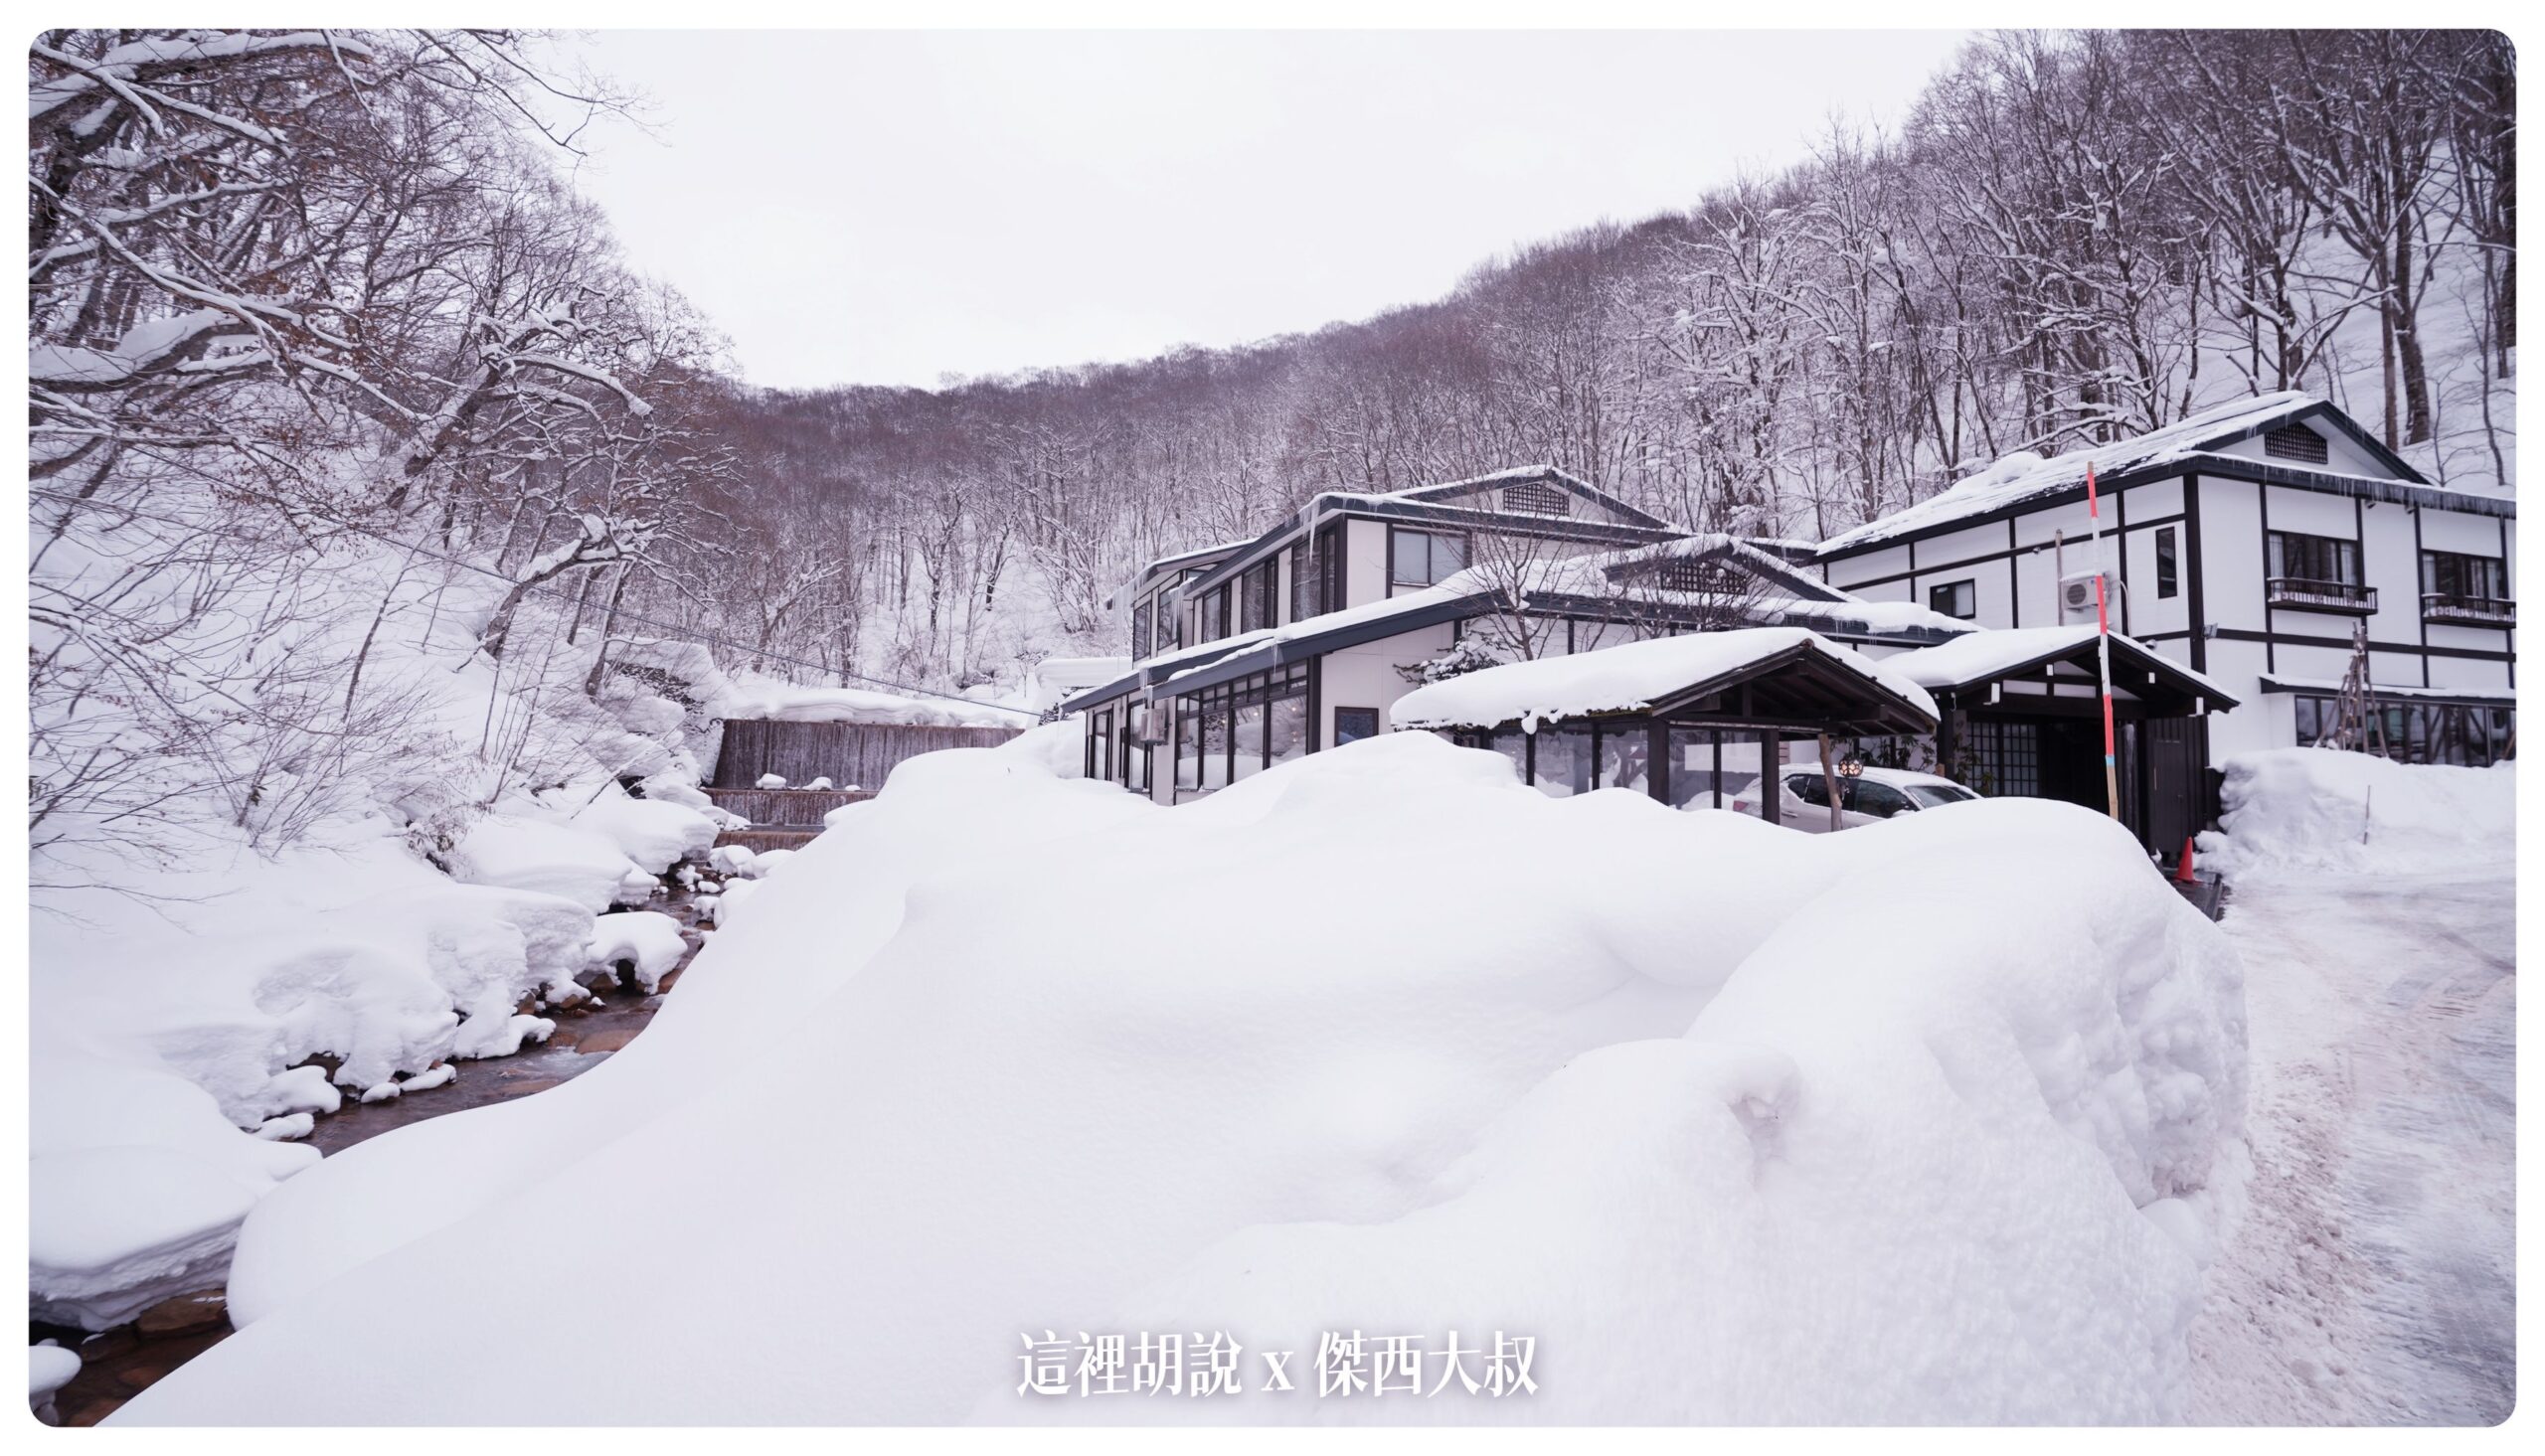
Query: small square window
x=1352, y=725
x=1954, y=599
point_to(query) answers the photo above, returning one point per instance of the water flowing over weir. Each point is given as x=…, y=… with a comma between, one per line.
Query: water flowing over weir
x=847, y=754
x=855, y=757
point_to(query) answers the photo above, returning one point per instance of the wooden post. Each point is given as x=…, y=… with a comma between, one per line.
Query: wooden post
x=1830, y=783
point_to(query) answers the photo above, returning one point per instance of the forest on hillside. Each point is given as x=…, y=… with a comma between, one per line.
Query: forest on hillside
x=2072, y=237
x=294, y=290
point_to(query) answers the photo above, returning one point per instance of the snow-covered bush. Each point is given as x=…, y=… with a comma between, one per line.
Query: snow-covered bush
x=1740, y=1124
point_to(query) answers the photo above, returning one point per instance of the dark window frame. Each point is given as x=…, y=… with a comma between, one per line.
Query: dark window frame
x=1368, y=714
x=1257, y=592
x=1431, y=555
x=2169, y=575
x=2305, y=555
x=1967, y=588
x=2438, y=567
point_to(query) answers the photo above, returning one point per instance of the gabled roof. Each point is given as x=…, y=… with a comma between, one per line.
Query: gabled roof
x=1543, y=474
x=2024, y=479
x=1962, y=666
x=1710, y=545
x=1665, y=674
x=1436, y=505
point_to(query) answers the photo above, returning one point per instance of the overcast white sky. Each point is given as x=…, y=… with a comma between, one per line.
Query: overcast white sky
x=893, y=207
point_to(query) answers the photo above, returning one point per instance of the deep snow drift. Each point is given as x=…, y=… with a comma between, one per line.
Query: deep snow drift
x=2373, y=1279
x=1736, y=1122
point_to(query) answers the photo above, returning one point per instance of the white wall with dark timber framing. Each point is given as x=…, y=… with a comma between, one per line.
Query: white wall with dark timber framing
x=2222, y=618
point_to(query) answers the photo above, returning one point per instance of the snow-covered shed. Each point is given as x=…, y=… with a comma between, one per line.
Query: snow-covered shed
x=1697, y=720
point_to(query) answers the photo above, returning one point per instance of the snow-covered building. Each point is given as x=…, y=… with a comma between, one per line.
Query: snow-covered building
x=2247, y=543
x=1250, y=654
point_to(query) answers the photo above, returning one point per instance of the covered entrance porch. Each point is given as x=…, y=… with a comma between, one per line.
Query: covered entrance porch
x=2021, y=716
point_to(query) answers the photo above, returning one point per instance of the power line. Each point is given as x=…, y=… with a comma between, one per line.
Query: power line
x=705, y=639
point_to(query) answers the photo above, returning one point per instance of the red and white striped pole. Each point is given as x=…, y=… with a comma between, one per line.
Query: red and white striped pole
x=2103, y=640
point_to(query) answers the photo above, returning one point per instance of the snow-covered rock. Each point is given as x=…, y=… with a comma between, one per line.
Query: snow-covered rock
x=647, y=939
x=1736, y=1122
x=49, y=1368
x=769, y=781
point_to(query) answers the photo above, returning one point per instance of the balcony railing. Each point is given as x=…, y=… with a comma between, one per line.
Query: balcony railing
x=2468, y=611
x=2325, y=597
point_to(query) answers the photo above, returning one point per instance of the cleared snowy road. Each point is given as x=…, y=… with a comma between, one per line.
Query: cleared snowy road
x=2371, y=1281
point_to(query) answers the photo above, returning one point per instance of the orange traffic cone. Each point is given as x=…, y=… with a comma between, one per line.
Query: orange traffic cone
x=2182, y=872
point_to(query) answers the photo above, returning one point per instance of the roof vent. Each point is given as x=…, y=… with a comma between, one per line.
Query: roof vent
x=2295, y=442
x=1536, y=498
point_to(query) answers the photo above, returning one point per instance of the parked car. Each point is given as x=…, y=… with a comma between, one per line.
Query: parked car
x=1868, y=795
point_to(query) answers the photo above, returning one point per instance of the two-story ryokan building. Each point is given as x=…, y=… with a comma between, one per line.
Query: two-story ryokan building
x=2247, y=545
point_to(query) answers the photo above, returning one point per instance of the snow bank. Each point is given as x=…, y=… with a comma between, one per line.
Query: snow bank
x=2299, y=810
x=1740, y=1123
x=164, y=1045
x=651, y=833
x=569, y=862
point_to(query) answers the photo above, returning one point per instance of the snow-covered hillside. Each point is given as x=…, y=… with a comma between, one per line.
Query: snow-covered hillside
x=1692, y=1112
x=297, y=920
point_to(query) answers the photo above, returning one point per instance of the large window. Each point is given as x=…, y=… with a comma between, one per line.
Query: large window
x=1254, y=597
x=1188, y=744
x=1100, y=743
x=2321, y=560
x=2464, y=577
x=1215, y=614
x=2168, y=568
x=1566, y=761
x=1302, y=582
x=1140, y=639
x=1424, y=557
x=1247, y=726
x=1625, y=756
x=2409, y=730
x=2000, y=759
x=1954, y=599
x=1215, y=743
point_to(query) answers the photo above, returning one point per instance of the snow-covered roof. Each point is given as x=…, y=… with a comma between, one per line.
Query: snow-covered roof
x=2026, y=475
x=1988, y=654
x=1629, y=678
x=2275, y=683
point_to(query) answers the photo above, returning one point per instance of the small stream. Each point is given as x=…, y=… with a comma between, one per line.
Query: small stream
x=119, y=1364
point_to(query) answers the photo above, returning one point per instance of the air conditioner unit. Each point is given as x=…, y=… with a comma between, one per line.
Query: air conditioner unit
x=2077, y=595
